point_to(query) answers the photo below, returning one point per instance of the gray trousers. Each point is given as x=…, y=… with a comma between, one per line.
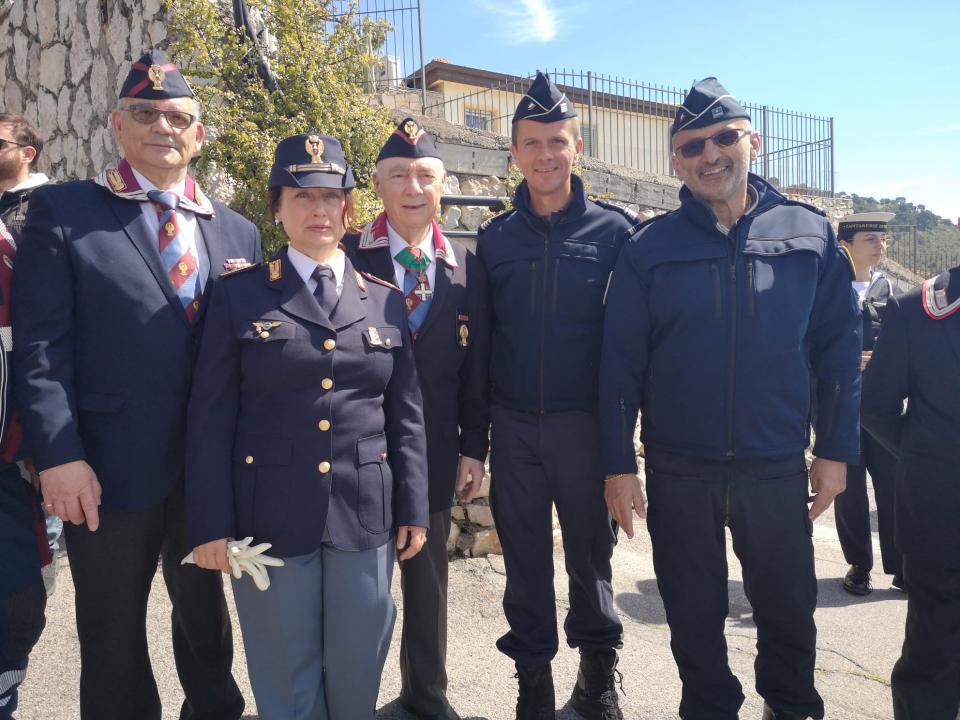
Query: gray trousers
x=316, y=640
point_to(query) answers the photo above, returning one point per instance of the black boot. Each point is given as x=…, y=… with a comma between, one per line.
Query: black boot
x=595, y=694
x=770, y=714
x=536, y=700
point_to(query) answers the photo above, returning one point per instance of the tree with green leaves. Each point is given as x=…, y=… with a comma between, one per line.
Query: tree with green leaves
x=319, y=55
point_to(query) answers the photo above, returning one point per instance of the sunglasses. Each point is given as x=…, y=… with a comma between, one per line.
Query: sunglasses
x=4, y=143
x=724, y=138
x=148, y=115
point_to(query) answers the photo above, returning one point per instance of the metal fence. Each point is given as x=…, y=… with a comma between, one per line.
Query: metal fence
x=904, y=249
x=625, y=122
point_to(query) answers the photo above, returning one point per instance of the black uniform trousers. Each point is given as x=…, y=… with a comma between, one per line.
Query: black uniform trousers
x=926, y=679
x=22, y=596
x=537, y=461
x=852, y=509
x=764, y=503
x=113, y=569
x=423, y=639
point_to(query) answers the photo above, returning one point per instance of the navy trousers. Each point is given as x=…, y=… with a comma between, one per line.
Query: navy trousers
x=537, y=461
x=852, y=509
x=926, y=679
x=22, y=596
x=764, y=504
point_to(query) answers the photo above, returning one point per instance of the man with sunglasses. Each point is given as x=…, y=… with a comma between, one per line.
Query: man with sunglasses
x=110, y=292
x=20, y=147
x=715, y=316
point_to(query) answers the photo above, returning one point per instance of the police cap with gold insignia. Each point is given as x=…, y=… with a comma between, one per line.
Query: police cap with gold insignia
x=409, y=140
x=706, y=103
x=309, y=161
x=863, y=222
x=544, y=102
x=154, y=77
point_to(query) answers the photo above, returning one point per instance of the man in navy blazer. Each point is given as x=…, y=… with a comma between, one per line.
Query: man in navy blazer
x=109, y=295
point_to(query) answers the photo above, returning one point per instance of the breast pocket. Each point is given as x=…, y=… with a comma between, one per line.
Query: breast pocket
x=579, y=273
x=781, y=283
x=374, y=484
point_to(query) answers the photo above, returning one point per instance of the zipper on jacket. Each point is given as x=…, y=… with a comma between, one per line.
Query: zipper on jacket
x=543, y=312
x=717, y=291
x=556, y=272
x=751, y=287
x=732, y=353
x=726, y=504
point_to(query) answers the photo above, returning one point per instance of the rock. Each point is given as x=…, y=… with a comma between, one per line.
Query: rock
x=92, y=23
x=486, y=542
x=47, y=113
x=459, y=513
x=453, y=537
x=47, y=25
x=16, y=14
x=63, y=109
x=484, y=487
x=12, y=97
x=53, y=67
x=480, y=514
x=471, y=216
x=150, y=8
x=20, y=47
x=68, y=22
x=465, y=542
x=80, y=61
x=99, y=88
x=31, y=16
x=157, y=32
x=557, y=539
x=482, y=185
x=450, y=219
x=451, y=185
x=82, y=112
x=33, y=66
x=118, y=33
x=53, y=151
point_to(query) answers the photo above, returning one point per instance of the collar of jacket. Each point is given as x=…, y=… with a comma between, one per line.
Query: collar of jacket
x=574, y=209
x=940, y=295
x=703, y=215
x=374, y=236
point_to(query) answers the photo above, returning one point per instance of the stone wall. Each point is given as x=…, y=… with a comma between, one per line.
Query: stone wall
x=62, y=63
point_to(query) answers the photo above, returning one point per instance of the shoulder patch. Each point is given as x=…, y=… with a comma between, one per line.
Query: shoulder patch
x=379, y=281
x=492, y=220
x=239, y=270
x=848, y=258
x=808, y=206
x=626, y=212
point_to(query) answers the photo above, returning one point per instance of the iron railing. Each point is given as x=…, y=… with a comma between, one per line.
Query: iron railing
x=904, y=248
x=627, y=123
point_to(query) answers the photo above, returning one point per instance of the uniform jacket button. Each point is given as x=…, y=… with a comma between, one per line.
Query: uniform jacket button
x=324, y=467
x=326, y=383
x=324, y=425
x=248, y=459
x=329, y=344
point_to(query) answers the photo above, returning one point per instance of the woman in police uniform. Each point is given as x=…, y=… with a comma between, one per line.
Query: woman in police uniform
x=306, y=431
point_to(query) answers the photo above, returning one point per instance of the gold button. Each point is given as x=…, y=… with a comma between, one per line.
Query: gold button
x=264, y=334
x=329, y=344
x=388, y=342
x=324, y=425
x=248, y=459
x=383, y=456
x=324, y=467
x=326, y=383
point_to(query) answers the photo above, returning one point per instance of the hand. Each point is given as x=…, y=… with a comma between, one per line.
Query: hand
x=213, y=556
x=828, y=478
x=71, y=491
x=624, y=496
x=410, y=538
x=470, y=474
x=865, y=358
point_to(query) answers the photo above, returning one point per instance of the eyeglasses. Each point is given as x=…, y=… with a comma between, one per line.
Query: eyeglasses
x=4, y=143
x=724, y=138
x=148, y=115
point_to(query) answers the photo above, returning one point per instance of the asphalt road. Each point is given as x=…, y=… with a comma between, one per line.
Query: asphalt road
x=859, y=640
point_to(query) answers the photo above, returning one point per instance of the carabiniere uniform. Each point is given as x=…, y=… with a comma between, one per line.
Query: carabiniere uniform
x=547, y=280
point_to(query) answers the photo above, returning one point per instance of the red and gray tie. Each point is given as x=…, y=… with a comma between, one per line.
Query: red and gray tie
x=177, y=253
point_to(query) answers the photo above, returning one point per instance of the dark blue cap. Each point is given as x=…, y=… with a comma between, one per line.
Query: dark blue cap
x=707, y=103
x=409, y=140
x=544, y=102
x=310, y=161
x=153, y=77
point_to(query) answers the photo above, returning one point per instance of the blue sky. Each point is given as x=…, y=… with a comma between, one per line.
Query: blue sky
x=888, y=72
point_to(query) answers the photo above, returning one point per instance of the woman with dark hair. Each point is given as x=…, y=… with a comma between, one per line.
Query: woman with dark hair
x=306, y=432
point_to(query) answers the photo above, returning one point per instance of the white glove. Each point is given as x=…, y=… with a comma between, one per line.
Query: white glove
x=246, y=559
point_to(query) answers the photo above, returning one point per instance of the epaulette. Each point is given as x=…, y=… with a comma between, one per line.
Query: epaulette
x=238, y=270
x=626, y=212
x=635, y=230
x=379, y=281
x=845, y=254
x=495, y=219
x=808, y=206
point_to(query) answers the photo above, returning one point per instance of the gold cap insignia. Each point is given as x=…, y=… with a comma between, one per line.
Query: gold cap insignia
x=275, y=270
x=411, y=129
x=116, y=180
x=156, y=74
x=314, y=146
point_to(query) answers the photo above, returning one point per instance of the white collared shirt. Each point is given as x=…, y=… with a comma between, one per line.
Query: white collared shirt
x=397, y=244
x=305, y=265
x=187, y=222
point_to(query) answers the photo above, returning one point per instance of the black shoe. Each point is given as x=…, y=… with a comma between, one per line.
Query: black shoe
x=857, y=581
x=448, y=713
x=770, y=714
x=536, y=700
x=897, y=583
x=595, y=694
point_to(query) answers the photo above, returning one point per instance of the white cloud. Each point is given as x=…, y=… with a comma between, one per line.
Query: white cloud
x=529, y=21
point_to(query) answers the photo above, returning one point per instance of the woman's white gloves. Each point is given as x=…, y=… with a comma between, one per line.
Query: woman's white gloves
x=249, y=560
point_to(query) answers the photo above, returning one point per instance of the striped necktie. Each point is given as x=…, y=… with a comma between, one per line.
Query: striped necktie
x=416, y=286
x=177, y=253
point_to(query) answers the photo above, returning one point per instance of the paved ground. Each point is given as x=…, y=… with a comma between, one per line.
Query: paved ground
x=859, y=641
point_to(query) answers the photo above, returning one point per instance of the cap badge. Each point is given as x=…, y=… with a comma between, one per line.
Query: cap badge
x=411, y=129
x=156, y=74
x=531, y=105
x=717, y=111
x=314, y=146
